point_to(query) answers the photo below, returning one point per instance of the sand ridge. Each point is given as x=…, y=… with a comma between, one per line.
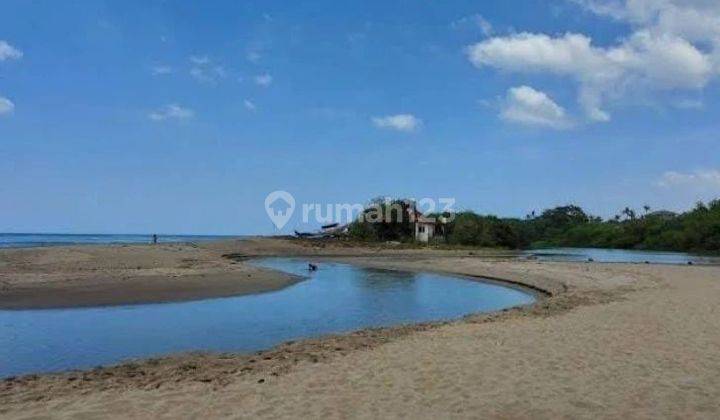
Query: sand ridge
x=75, y=276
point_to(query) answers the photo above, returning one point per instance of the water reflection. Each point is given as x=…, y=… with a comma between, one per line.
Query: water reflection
x=617, y=256
x=334, y=299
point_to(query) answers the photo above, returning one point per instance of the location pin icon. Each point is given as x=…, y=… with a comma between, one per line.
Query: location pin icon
x=280, y=206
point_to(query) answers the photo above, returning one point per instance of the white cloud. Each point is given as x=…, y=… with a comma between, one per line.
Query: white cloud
x=172, y=111
x=253, y=56
x=703, y=179
x=8, y=52
x=161, y=70
x=208, y=74
x=673, y=46
x=689, y=104
x=474, y=21
x=263, y=79
x=697, y=21
x=689, y=186
x=400, y=122
x=6, y=106
x=200, y=60
x=527, y=106
x=694, y=20
x=205, y=71
x=249, y=105
x=198, y=74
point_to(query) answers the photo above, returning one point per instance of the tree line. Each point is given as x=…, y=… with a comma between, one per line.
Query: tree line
x=697, y=229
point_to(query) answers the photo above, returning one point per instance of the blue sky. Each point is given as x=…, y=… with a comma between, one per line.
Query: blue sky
x=180, y=117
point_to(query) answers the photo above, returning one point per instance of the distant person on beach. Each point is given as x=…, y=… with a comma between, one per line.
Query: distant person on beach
x=154, y=239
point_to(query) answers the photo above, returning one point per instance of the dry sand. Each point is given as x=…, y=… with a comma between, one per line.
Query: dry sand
x=613, y=340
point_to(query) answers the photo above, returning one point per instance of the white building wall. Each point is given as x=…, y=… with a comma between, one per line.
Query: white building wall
x=424, y=231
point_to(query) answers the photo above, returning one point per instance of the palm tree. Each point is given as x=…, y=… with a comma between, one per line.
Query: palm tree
x=630, y=213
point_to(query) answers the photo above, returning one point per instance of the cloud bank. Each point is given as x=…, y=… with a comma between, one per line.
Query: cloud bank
x=673, y=46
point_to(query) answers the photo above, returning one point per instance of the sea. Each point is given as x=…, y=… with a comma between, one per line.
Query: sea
x=31, y=240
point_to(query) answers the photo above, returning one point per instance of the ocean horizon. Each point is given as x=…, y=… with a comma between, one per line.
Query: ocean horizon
x=35, y=240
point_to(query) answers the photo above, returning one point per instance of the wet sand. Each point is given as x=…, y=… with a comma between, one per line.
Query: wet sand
x=61, y=277
x=610, y=340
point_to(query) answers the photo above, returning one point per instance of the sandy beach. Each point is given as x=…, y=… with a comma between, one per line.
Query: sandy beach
x=606, y=340
x=75, y=276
